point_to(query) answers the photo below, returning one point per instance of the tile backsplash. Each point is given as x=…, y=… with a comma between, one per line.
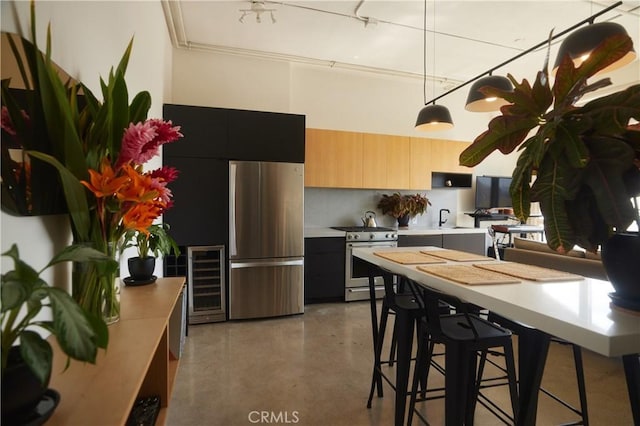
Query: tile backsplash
x=345, y=207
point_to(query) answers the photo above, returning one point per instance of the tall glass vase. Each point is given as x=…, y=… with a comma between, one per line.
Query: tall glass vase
x=96, y=285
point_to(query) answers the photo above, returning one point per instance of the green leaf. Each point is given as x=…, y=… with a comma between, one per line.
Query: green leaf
x=570, y=79
x=520, y=190
x=80, y=253
x=611, y=114
x=611, y=158
x=73, y=330
x=37, y=354
x=140, y=107
x=575, y=150
x=505, y=133
x=75, y=195
x=552, y=188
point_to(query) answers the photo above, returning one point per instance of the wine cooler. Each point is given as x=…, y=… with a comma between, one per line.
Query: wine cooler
x=206, y=284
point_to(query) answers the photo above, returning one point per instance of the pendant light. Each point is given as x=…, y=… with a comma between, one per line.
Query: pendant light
x=579, y=44
x=479, y=102
x=432, y=117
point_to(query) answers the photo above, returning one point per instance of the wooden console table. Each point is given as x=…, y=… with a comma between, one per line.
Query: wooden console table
x=141, y=360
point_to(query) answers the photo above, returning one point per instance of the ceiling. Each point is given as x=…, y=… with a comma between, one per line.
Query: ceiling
x=464, y=39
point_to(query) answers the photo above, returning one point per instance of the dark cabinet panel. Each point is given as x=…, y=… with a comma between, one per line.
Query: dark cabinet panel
x=324, y=262
x=471, y=243
x=205, y=131
x=266, y=136
x=199, y=215
x=420, y=240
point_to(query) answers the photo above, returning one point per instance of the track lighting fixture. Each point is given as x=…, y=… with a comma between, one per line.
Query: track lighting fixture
x=579, y=44
x=431, y=117
x=257, y=7
x=479, y=102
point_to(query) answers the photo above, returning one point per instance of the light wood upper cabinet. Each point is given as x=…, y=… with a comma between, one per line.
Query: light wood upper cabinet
x=385, y=161
x=333, y=159
x=340, y=159
x=420, y=164
x=445, y=156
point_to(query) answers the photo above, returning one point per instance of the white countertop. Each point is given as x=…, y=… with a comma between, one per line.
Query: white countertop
x=577, y=311
x=320, y=232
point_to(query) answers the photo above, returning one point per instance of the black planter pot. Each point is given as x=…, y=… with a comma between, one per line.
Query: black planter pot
x=21, y=390
x=404, y=220
x=621, y=260
x=141, y=268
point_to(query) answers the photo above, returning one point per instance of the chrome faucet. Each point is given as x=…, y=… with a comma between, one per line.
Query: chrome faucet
x=443, y=221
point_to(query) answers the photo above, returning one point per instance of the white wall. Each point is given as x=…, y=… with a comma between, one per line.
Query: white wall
x=88, y=38
x=332, y=98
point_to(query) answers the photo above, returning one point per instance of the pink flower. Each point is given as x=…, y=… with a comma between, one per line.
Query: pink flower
x=166, y=173
x=141, y=141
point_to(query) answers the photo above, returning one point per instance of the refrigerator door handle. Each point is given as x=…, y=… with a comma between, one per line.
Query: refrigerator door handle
x=233, y=247
x=257, y=263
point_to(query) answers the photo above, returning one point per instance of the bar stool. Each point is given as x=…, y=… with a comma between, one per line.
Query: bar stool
x=464, y=335
x=392, y=303
x=518, y=328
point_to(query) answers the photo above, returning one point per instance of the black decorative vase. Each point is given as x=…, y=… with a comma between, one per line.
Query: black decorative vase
x=21, y=389
x=404, y=220
x=621, y=260
x=141, y=268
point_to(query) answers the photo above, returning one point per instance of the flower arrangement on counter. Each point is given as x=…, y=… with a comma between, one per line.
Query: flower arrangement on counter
x=403, y=207
x=98, y=149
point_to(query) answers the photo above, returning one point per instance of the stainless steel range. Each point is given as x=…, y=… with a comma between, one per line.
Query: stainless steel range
x=356, y=270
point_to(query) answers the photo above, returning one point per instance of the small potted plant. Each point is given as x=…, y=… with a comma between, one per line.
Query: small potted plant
x=585, y=159
x=155, y=241
x=26, y=366
x=403, y=207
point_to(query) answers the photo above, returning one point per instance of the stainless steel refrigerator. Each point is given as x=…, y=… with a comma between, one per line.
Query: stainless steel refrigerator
x=266, y=239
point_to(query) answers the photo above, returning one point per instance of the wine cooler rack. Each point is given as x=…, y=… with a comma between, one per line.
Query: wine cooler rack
x=206, y=284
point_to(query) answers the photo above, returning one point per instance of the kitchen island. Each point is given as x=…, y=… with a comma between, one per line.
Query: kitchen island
x=332, y=275
x=577, y=311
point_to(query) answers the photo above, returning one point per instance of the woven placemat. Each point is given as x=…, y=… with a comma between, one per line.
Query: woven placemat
x=408, y=257
x=458, y=256
x=467, y=274
x=529, y=272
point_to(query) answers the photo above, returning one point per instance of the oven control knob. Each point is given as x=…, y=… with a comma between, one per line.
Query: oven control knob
x=355, y=237
x=372, y=236
x=389, y=236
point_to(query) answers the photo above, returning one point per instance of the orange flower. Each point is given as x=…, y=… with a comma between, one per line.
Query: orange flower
x=105, y=183
x=139, y=189
x=141, y=216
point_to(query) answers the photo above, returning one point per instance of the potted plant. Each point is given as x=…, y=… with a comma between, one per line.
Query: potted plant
x=585, y=158
x=26, y=367
x=155, y=241
x=98, y=149
x=403, y=207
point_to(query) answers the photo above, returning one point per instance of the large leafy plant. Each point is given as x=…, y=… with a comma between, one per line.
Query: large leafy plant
x=585, y=158
x=398, y=205
x=25, y=295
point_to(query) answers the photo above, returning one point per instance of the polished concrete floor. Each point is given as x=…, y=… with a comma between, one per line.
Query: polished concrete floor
x=315, y=369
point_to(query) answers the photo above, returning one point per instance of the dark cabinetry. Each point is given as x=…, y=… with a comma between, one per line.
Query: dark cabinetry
x=205, y=131
x=266, y=136
x=420, y=240
x=324, y=261
x=235, y=134
x=201, y=196
x=471, y=243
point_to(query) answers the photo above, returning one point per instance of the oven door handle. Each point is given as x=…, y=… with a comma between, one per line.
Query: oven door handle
x=363, y=289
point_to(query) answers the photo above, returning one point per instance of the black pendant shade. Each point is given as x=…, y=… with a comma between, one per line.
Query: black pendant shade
x=579, y=44
x=434, y=117
x=479, y=102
